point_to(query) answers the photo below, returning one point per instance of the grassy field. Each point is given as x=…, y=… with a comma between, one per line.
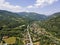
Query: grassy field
x=10, y=40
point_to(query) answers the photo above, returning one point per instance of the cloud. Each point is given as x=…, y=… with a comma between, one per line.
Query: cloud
x=16, y=8
x=30, y=6
x=40, y=3
x=7, y=6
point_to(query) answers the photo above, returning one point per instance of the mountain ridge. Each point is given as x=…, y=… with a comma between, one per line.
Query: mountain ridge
x=32, y=16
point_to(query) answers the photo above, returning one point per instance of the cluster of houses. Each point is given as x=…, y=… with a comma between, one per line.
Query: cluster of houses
x=5, y=40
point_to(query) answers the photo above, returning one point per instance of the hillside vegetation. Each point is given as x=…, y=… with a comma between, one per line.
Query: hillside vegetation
x=53, y=25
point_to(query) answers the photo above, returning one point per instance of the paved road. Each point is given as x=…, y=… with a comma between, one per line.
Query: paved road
x=31, y=43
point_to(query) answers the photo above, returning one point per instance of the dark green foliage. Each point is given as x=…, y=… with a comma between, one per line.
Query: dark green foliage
x=9, y=21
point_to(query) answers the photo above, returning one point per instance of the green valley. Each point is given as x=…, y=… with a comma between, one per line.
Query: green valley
x=43, y=30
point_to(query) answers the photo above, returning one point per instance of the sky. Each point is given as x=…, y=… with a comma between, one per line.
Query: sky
x=46, y=7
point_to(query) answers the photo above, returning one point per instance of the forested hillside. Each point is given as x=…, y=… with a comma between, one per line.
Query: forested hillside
x=53, y=25
x=9, y=21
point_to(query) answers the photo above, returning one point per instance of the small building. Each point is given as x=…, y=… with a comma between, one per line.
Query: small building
x=3, y=43
x=5, y=37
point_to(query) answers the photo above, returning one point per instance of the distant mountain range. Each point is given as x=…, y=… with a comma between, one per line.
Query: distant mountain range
x=28, y=15
x=25, y=15
x=32, y=16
